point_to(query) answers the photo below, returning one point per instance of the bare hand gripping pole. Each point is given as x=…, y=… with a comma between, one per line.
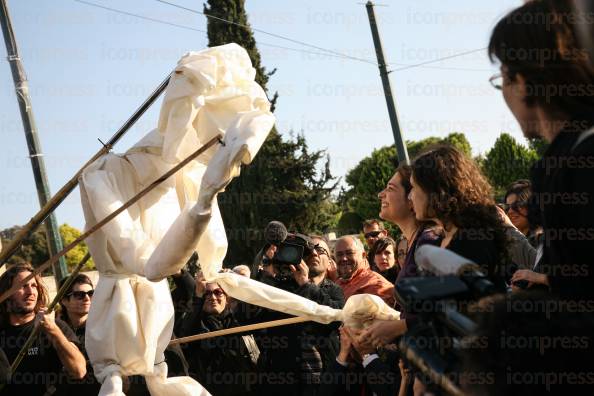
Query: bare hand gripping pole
x=107, y=219
x=50, y=308
x=57, y=199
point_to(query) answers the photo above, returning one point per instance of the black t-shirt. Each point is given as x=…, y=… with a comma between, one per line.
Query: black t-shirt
x=41, y=369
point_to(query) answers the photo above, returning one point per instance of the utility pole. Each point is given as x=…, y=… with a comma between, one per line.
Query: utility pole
x=22, y=92
x=400, y=146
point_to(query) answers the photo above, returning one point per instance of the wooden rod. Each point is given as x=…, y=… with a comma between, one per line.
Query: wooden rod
x=110, y=217
x=50, y=308
x=57, y=199
x=240, y=329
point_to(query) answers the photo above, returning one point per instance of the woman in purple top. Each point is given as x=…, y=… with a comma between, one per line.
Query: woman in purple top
x=397, y=208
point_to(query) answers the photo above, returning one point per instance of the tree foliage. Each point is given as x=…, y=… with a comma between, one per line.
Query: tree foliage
x=372, y=173
x=286, y=181
x=221, y=32
x=507, y=161
x=73, y=257
x=538, y=145
x=34, y=249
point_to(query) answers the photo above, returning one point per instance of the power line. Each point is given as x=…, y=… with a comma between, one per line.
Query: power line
x=405, y=66
x=268, y=33
x=439, y=59
x=327, y=52
x=197, y=30
x=139, y=16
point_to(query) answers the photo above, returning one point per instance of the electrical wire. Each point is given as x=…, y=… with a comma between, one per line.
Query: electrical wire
x=404, y=65
x=326, y=52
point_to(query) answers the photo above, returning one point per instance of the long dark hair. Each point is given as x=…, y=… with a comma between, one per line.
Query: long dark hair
x=6, y=282
x=459, y=194
x=523, y=190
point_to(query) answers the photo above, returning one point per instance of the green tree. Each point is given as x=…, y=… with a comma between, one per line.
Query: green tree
x=221, y=32
x=538, y=145
x=74, y=256
x=286, y=181
x=34, y=250
x=372, y=173
x=507, y=161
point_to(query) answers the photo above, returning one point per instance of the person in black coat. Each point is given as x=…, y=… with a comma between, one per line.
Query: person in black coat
x=223, y=365
x=545, y=94
x=295, y=356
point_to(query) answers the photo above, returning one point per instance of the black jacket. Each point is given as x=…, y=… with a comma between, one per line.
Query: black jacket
x=291, y=355
x=381, y=377
x=223, y=365
x=563, y=190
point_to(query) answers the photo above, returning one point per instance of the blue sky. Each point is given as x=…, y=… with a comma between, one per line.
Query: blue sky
x=89, y=68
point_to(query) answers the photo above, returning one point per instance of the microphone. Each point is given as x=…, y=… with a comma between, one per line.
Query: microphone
x=444, y=262
x=275, y=233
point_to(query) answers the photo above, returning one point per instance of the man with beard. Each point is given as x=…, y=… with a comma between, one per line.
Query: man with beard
x=293, y=357
x=54, y=353
x=319, y=343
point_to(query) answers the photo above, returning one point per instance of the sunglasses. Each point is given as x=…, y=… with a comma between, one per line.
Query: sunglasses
x=319, y=250
x=218, y=293
x=80, y=295
x=516, y=206
x=372, y=234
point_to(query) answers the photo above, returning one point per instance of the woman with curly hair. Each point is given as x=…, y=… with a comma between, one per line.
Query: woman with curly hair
x=449, y=189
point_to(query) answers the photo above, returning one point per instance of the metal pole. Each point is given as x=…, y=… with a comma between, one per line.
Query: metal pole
x=400, y=145
x=19, y=77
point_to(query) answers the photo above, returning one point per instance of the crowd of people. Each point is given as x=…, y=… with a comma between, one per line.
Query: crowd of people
x=533, y=247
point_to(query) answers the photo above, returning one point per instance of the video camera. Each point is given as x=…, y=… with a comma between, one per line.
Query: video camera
x=441, y=303
x=291, y=248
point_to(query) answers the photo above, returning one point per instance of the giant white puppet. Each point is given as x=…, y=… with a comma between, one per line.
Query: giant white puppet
x=131, y=320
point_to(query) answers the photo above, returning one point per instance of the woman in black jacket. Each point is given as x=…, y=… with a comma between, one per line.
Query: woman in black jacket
x=223, y=365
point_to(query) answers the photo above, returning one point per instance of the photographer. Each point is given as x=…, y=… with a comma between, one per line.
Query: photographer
x=293, y=357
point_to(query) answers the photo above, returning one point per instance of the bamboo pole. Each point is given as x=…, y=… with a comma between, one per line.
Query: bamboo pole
x=239, y=329
x=110, y=217
x=57, y=199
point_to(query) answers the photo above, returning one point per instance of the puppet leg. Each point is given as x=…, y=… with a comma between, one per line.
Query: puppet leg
x=159, y=385
x=112, y=384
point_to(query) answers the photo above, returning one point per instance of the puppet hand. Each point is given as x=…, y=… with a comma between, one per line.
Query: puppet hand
x=222, y=168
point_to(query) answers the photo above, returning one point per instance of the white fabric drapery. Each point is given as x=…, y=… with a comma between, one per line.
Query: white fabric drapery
x=131, y=320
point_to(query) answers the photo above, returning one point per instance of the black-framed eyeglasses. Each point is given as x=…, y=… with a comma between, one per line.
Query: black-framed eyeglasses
x=80, y=295
x=320, y=250
x=516, y=206
x=372, y=234
x=218, y=293
x=497, y=81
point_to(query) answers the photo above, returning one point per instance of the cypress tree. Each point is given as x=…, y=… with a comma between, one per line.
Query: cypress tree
x=282, y=182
